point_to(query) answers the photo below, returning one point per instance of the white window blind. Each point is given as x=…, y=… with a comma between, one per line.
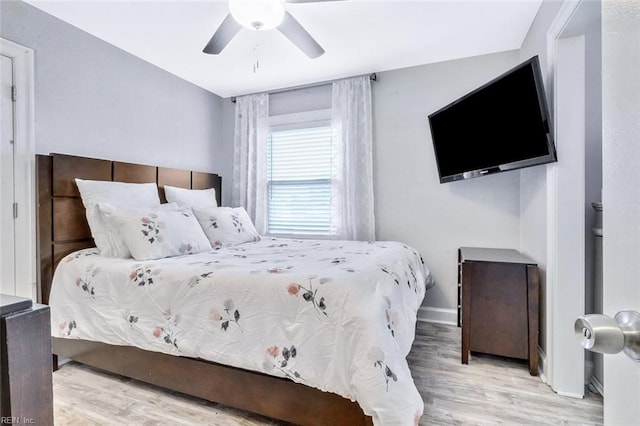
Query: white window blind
x=299, y=182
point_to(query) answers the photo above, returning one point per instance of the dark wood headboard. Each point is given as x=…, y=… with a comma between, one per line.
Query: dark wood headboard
x=61, y=220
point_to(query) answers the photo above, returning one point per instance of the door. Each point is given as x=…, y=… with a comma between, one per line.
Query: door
x=621, y=195
x=7, y=229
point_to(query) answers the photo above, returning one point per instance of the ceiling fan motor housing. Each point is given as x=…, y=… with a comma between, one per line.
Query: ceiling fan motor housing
x=257, y=14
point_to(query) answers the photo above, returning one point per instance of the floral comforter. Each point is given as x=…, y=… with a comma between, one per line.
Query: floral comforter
x=336, y=315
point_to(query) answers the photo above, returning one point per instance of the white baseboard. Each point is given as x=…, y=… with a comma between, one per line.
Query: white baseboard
x=438, y=315
x=63, y=361
x=570, y=395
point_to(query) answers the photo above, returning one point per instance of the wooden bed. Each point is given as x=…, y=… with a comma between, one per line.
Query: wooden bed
x=62, y=228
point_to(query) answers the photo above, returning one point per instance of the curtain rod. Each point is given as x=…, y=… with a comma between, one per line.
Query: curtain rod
x=372, y=77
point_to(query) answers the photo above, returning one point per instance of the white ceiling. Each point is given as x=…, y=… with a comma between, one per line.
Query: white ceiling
x=359, y=36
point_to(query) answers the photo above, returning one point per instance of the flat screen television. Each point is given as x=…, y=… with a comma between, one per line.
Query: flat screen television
x=503, y=125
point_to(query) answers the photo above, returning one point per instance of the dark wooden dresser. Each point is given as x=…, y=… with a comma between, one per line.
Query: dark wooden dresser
x=499, y=292
x=26, y=392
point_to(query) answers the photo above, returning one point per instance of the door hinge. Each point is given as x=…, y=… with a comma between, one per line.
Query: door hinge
x=14, y=93
x=15, y=210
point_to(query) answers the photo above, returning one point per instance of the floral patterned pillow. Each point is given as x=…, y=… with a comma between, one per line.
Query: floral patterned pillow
x=226, y=225
x=113, y=240
x=156, y=234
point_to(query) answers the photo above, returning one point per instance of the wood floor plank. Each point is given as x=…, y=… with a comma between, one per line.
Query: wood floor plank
x=488, y=391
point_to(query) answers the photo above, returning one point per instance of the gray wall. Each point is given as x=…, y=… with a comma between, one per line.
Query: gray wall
x=410, y=203
x=93, y=99
x=228, y=124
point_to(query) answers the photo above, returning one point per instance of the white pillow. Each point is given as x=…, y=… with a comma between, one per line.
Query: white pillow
x=157, y=234
x=226, y=225
x=118, y=194
x=116, y=247
x=201, y=198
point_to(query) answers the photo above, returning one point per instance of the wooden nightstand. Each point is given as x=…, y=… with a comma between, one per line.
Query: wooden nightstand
x=499, y=294
x=26, y=391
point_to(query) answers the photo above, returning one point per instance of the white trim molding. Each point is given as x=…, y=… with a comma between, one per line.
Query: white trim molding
x=565, y=14
x=24, y=167
x=438, y=315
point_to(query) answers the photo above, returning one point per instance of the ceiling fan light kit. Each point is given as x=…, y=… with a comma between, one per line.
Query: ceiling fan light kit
x=257, y=14
x=264, y=15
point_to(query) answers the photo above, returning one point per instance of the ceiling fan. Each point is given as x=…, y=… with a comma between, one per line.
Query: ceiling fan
x=263, y=15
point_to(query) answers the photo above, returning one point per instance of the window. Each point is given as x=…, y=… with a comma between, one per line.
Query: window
x=299, y=175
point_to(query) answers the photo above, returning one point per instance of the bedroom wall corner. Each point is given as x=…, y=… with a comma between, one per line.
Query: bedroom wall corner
x=93, y=99
x=227, y=129
x=533, y=181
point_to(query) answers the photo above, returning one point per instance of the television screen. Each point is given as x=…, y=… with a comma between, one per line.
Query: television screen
x=503, y=125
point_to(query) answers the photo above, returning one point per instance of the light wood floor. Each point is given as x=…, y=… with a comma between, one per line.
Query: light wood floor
x=488, y=391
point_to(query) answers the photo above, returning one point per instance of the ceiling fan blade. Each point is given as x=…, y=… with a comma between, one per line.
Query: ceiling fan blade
x=295, y=32
x=223, y=35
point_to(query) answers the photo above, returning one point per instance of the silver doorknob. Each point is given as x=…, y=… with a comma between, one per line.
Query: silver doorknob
x=603, y=334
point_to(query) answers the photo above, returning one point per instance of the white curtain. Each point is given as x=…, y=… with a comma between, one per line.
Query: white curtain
x=352, y=191
x=250, y=157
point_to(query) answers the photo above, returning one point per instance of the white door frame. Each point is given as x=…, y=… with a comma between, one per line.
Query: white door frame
x=563, y=298
x=24, y=167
